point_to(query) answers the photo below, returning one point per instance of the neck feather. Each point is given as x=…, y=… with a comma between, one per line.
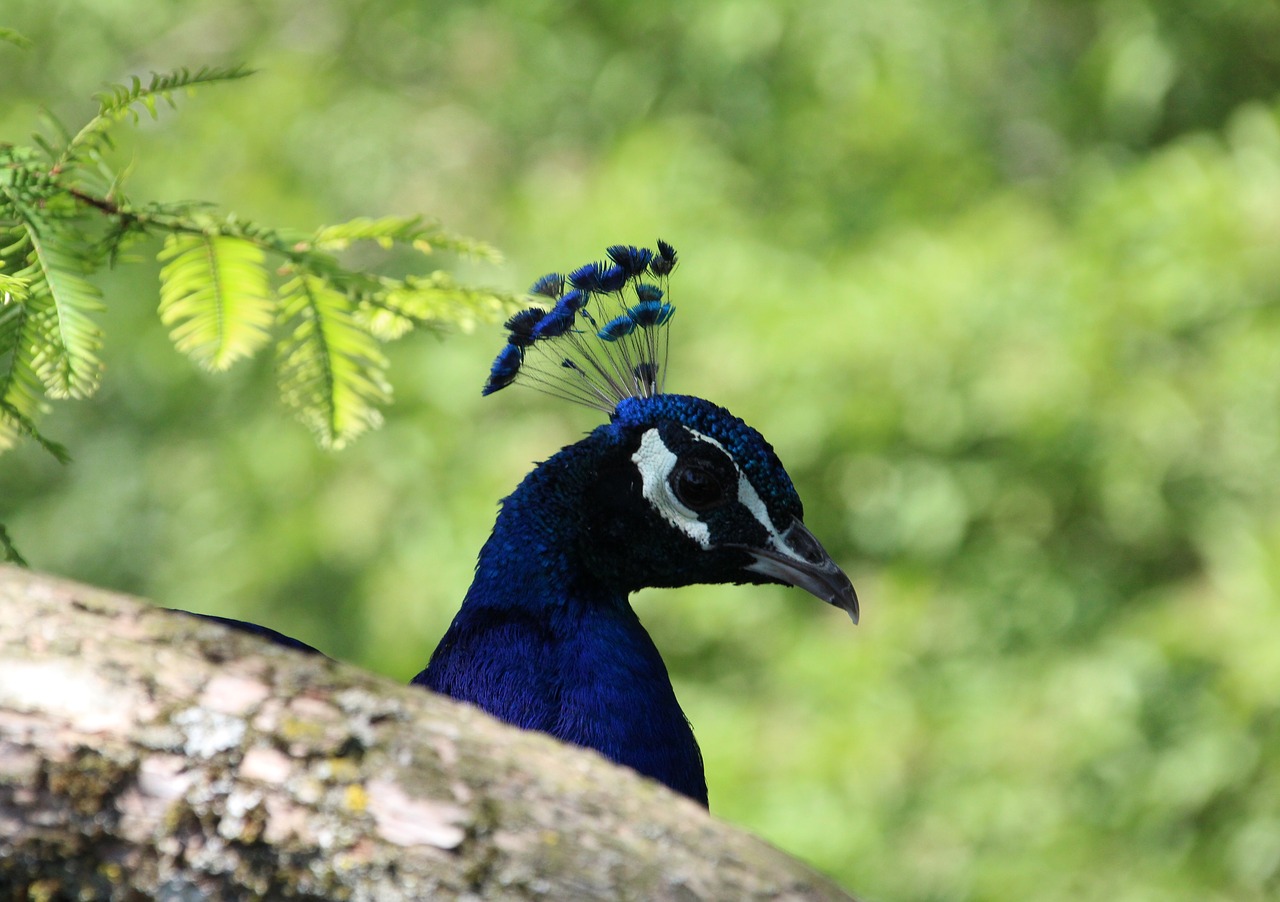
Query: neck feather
x=542, y=643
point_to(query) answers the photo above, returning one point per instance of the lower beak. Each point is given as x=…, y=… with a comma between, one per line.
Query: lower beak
x=805, y=564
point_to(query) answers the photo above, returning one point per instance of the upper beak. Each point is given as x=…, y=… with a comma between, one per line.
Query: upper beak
x=805, y=564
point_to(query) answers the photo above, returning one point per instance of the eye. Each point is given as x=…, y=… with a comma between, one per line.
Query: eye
x=697, y=486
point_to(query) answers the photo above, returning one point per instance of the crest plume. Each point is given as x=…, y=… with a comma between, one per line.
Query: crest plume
x=600, y=334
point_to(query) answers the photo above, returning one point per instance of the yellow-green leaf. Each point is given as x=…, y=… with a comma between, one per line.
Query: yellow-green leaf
x=215, y=297
x=331, y=370
x=64, y=337
x=21, y=392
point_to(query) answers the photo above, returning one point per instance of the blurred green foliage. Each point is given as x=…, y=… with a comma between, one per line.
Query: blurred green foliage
x=1000, y=281
x=64, y=216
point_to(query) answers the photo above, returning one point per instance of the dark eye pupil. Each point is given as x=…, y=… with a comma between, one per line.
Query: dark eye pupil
x=698, y=488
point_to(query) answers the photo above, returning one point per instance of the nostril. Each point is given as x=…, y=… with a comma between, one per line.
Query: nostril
x=802, y=542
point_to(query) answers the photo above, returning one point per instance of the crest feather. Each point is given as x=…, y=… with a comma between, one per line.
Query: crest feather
x=604, y=340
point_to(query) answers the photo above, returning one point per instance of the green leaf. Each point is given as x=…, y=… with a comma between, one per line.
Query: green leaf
x=8, y=552
x=12, y=288
x=434, y=302
x=65, y=339
x=21, y=392
x=215, y=298
x=120, y=100
x=9, y=36
x=331, y=370
x=386, y=231
x=161, y=87
x=14, y=423
x=20, y=388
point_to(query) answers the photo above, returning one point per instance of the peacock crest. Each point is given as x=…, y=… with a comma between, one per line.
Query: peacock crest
x=599, y=337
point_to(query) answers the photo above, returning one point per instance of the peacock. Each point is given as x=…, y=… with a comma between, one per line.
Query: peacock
x=672, y=490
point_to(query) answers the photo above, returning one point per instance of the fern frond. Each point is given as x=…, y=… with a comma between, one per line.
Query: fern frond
x=14, y=423
x=121, y=100
x=17, y=244
x=12, y=289
x=21, y=392
x=53, y=147
x=60, y=301
x=432, y=302
x=390, y=230
x=162, y=86
x=24, y=182
x=215, y=298
x=386, y=231
x=331, y=369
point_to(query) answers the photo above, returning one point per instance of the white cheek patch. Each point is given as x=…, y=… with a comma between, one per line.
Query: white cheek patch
x=655, y=462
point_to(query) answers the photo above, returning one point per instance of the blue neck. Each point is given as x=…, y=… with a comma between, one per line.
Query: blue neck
x=543, y=644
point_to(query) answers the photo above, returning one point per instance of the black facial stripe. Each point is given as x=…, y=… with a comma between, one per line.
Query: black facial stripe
x=733, y=524
x=681, y=441
x=704, y=477
x=729, y=522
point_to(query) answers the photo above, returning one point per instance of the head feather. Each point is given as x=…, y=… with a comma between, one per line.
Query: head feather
x=603, y=340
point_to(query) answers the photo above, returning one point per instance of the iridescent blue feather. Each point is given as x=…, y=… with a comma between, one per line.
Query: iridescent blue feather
x=603, y=340
x=671, y=491
x=647, y=292
x=521, y=326
x=647, y=314
x=504, y=369
x=551, y=285
x=632, y=260
x=662, y=264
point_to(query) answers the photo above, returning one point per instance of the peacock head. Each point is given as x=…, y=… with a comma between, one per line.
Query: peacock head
x=680, y=490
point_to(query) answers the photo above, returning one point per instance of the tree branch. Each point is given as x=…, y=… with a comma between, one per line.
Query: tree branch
x=145, y=754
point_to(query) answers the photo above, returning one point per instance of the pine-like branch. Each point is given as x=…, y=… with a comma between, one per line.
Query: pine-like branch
x=217, y=292
x=20, y=390
x=430, y=302
x=387, y=231
x=215, y=297
x=120, y=101
x=60, y=303
x=331, y=369
x=162, y=86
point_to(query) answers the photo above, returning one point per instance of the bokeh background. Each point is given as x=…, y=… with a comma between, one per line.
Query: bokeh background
x=1001, y=282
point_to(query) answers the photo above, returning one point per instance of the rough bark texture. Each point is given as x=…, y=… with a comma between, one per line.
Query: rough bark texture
x=145, y=754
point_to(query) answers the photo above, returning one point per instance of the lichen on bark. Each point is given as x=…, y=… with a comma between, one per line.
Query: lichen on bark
x=146, y=755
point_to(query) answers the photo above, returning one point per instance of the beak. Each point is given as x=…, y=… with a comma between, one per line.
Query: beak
x=805, y=564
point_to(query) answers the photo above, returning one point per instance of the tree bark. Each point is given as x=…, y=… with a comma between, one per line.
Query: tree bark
x=149, y=755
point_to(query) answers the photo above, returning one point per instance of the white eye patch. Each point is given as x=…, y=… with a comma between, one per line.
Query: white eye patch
x=655, y=461
x=749, y=498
